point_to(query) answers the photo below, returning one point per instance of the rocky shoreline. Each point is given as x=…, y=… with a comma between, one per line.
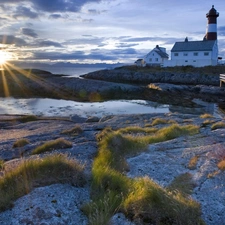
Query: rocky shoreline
x=162, y=162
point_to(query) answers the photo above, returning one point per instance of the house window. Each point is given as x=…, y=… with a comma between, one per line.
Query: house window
x=185, y=54
x=150, y=59
x=186, y=60
x=194, y=60
x=156, y=59
x=195, y=53
x=175, y=54
x=206, y=53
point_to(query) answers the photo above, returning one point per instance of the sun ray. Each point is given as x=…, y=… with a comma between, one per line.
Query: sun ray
x=5, y=85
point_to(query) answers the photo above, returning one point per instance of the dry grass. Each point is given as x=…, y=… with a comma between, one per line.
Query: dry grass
x=21, y=143
x=193, y=162
x=73, y=131
x=206, y=116
x=218, y=125
x=59, y=143
x=158, y=121
x=39, y=172
x=221, y=165
x=207, y=122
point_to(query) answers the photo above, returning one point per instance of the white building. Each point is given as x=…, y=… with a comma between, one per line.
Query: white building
x=156, y=57
x=198, y=53
x=194, y=53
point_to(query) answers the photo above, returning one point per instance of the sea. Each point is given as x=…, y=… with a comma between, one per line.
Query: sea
x=72, y=71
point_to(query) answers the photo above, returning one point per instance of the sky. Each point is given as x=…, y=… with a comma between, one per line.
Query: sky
x=101, y=31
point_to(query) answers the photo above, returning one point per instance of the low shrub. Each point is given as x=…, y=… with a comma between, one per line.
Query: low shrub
x=39, y=172
x=21, y=143
x=59, y=143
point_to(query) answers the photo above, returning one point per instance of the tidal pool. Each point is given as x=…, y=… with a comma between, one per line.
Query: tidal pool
x=54, y=107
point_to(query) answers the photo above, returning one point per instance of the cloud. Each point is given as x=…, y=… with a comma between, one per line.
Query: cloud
x=126, y=45
x=55, y=16
x=54, y=5
x=221, y=31
x=96, y=12
x=48, y=43
x=77, y=55
x=10, y=40
x=29, y=32
x=25, y=12
x=87, y=40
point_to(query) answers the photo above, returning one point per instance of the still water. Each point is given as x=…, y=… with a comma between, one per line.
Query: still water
x=53, y=107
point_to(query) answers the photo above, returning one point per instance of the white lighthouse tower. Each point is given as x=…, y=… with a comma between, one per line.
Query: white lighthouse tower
x=211, y=31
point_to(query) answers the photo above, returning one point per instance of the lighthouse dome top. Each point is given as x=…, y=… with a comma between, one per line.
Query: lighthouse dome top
x=212, y=12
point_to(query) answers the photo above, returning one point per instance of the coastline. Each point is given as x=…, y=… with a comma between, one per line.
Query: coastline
x=162, y=162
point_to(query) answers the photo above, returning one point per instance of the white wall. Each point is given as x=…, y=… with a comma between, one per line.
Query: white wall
x=194, y=58
x=154, y=58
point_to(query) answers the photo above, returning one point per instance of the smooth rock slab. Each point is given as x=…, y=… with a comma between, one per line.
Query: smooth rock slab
x=57, y=204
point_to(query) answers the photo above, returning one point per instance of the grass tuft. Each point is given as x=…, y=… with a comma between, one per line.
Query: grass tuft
x=193, y=162
x=206, y=116
x=39, y=172
x=28, y=118
x=139, y=198
x=152, y=204
x=73, y=131
x=158, y=121
x=1, y=164
x=183, y=183
x=21, y=143
x=218, y=125
x=221, y=165
x=59, y=143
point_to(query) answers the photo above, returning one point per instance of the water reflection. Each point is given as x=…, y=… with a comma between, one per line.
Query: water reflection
x=53, y=107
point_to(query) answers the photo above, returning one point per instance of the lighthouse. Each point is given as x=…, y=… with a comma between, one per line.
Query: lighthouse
x=211, y=31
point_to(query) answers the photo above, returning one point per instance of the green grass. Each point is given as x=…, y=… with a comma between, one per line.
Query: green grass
x=39, y=172
x=73, y=131
x=1, y=164
x=59, y=143
x=151, y=204
x=182, y=183
x=218, y=125
x=21, y=143
x=139, y=198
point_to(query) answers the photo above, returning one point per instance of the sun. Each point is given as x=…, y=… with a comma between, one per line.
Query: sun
x=4, y=57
